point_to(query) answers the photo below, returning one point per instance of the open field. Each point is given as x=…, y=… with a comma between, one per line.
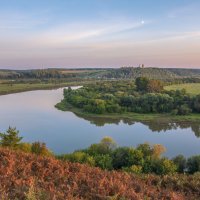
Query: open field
x=191, y=88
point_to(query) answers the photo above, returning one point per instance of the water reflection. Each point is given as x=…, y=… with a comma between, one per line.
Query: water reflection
x=156, y=125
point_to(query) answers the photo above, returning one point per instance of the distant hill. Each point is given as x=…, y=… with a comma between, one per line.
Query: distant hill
x=101, y=73
x=152, y=73
x=185, y=72
x=130, y=72
x=27, y=176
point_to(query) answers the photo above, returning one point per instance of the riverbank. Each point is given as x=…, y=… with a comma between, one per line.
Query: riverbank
x=128, y=115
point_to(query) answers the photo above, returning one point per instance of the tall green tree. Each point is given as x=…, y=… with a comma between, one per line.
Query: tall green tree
x=10, y=138
x=141, y=83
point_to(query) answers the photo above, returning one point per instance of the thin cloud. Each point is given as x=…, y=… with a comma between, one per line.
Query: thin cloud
x=72, y=33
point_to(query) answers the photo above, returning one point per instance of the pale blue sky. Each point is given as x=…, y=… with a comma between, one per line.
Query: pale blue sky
x=99, y=33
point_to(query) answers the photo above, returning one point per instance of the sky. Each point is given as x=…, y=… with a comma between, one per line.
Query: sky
x=99, y=33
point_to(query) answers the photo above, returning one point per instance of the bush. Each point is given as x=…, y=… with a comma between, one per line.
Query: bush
x=25, y=147
x=40, y=149
x=184, y=110
x=136, y=169
x=193, y=164
x=103, y=161
x=81, y=157
x=164, y=166
x=180, y=162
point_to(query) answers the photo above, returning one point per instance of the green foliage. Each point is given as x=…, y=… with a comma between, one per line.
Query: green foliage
x=78, y=156
x=145, y=158
x=10, y=138
x=25, y=147
x=180, y=162
x=136, y=169
x=123, y=96
x=196, y=105
x=164, y=166
x=103, y=161
x=108, y=143
x=121, y=157
x=141, y=83
x=184, y=110
x=39, y=148
x=193, y=164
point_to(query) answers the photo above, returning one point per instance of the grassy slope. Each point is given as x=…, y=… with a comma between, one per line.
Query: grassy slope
x=26, y=175
x=191, y=88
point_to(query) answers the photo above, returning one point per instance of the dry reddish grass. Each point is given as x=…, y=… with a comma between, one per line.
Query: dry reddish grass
x=56, y=180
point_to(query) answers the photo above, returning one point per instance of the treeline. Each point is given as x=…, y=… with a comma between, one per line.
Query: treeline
x=107, y=155
x=49, y=73
x=166, y=74
x=145, y=158
x=141, y=96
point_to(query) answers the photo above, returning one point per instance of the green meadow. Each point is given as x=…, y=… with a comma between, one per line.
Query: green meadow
x=191, y=88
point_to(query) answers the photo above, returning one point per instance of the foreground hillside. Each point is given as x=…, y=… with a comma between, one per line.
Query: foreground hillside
x=26, y=176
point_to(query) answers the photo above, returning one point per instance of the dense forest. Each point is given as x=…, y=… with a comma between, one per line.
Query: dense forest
x=142, y=96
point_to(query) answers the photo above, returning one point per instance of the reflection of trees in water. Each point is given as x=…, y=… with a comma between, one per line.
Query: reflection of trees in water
x=154, y=125
x=160, y=125
x=100, y=121
x=196, y=129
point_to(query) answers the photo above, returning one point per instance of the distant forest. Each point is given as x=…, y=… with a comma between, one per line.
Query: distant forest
x=167, y=74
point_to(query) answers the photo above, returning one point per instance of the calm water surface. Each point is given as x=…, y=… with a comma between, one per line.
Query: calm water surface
x=34, y=115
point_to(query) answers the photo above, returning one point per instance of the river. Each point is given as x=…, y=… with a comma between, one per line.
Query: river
x=34, y=115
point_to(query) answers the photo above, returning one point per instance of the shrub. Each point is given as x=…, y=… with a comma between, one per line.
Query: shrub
x=180, y=162
x=103, y=161
x=164, y=166
x=25, y=147
x=81, y=157
x=193, y=164
x=184, y=110
x=136, y=169
x=40, y=149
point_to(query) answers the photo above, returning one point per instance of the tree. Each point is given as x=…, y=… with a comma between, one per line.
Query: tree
x=126, y=157
x=180, y=162
x=10, y=138
x=106, y=146
x=197, y=103
x=158, y=150
x=121, y=157
x=141, y=83
x=164, y=166
x=193, y=164
x=103, y=161
x=154, y=86
x=108, y=143
x=145, y=149
x=184, y=110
